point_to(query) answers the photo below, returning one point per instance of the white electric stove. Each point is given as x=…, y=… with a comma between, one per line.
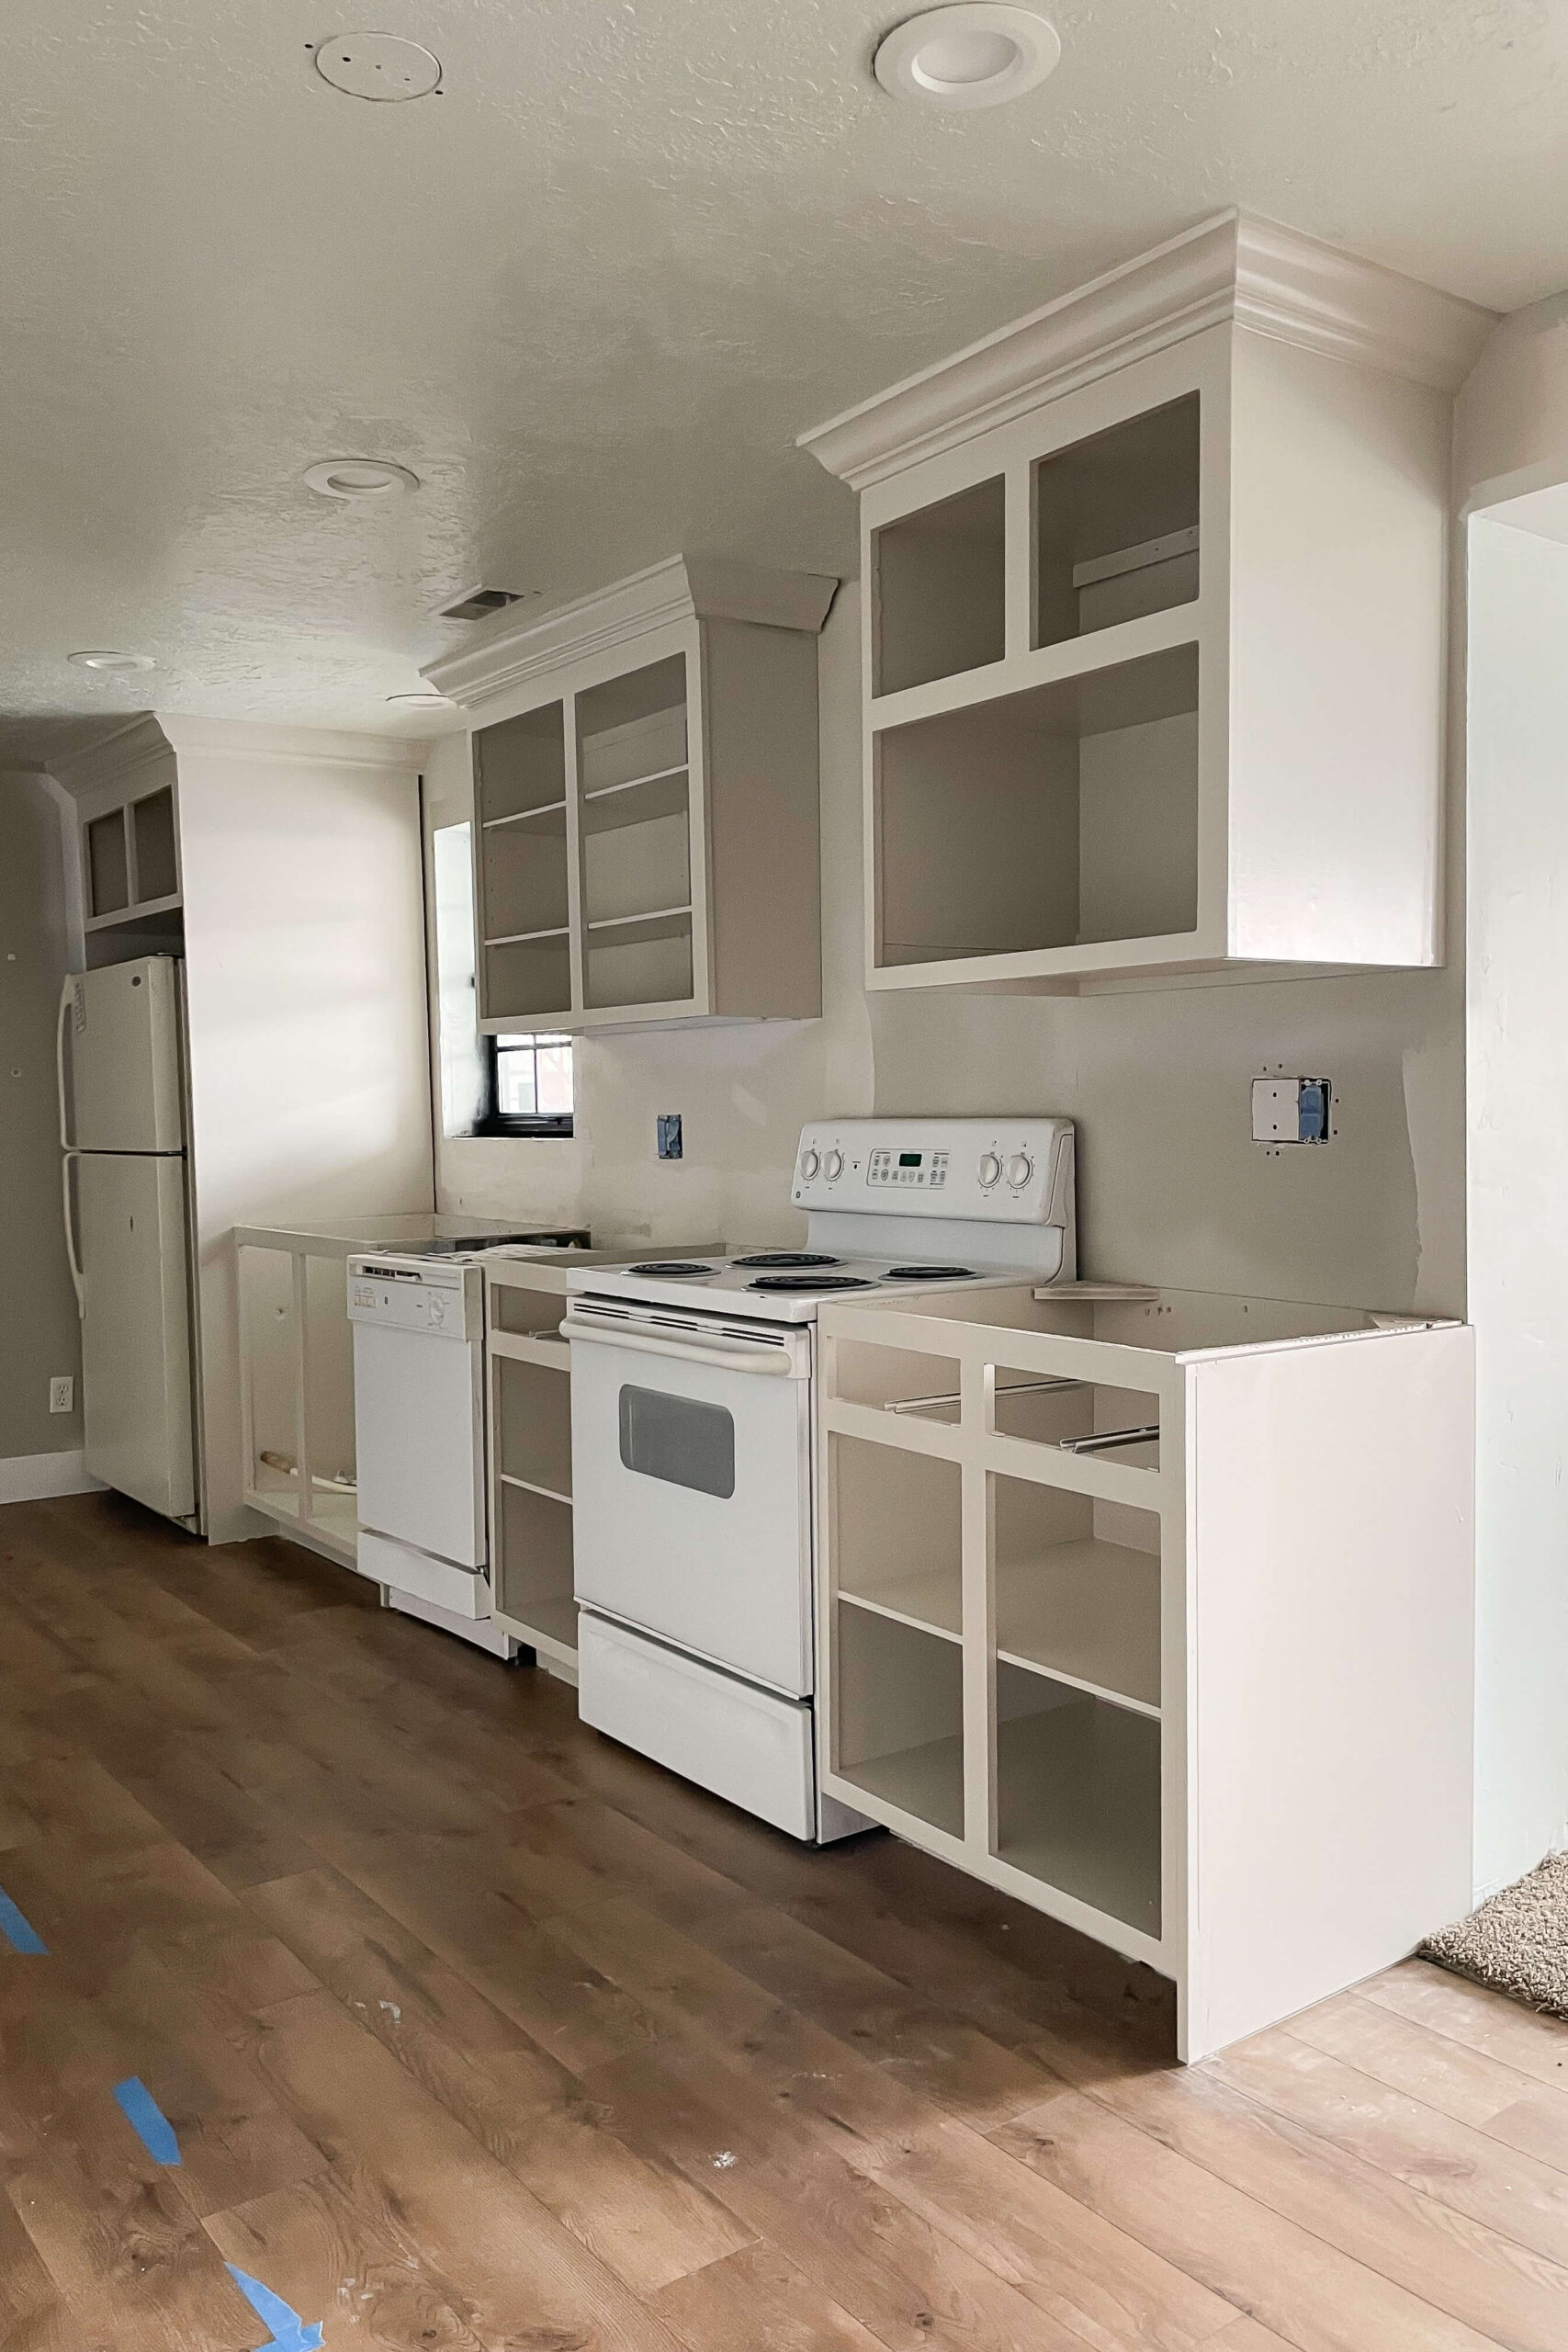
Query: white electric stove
x=692, y=1447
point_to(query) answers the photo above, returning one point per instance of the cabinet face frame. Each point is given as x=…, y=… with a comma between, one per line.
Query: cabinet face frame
x=1200, y=364
x=680, y=637
x=547, y=1636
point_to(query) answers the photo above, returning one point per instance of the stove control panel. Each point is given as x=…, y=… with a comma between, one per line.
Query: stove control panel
x=1009, y=1172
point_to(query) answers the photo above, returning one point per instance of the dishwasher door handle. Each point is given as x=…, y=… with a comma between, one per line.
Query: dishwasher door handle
x=639, y=1339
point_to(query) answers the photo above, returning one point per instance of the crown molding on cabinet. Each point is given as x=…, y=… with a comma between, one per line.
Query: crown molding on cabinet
x=245, y=738
x=1233, y=268
x=511, y=652
x=138, y=742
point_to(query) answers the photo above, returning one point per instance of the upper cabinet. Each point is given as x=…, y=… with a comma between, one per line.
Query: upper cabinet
x=646, y=802
x=126, y=791
x=1155, y=614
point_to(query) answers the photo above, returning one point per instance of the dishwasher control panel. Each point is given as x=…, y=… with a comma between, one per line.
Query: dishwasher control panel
x=417, y=1295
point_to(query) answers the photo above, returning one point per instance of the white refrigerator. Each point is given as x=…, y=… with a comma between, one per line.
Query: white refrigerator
x=122, y=1134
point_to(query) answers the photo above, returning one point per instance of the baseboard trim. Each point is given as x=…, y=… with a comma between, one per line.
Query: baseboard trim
x=35, y=1477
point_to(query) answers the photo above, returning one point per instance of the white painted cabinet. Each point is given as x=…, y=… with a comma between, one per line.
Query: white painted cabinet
x=1155, y=1610
x=646, y=802
x=1155, y=611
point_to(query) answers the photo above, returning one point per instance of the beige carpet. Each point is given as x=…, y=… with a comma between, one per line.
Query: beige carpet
x=1517, y=1942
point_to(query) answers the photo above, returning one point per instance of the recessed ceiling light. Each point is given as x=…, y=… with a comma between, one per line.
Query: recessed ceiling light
x=967, y=56
x=112, y=661
x=367, y=478
x=377, y=66
x=428, y=700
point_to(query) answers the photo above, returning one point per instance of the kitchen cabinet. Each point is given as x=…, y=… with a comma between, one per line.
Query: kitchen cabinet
x=128, y=846
x=1154, y=603
x=645, y=768
x=528, y=1406
x=1154, y=1609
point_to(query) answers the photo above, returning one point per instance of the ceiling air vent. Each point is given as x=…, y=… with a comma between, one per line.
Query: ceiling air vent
x=475, y=603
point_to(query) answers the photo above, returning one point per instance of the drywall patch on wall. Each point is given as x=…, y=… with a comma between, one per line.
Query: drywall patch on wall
x=1516, y=1029
x=42, y=1335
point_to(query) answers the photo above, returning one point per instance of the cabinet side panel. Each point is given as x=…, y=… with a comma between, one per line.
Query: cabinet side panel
x=1330, y=1515
x=764, y=861
x=1339, y=503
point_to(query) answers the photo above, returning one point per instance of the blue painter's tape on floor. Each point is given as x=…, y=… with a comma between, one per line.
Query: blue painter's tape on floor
x=289, y=2333
x=148, y=2120
x=15, y=1929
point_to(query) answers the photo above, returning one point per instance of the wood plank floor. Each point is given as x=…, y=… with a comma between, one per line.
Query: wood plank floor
x=476, y=2030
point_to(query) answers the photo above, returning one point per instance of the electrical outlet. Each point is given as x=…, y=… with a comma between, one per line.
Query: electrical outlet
x=669, y=1135
x=61, y=1393
x=1291, y=1110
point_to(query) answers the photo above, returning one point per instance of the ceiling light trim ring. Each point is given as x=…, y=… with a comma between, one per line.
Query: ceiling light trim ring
x=382, y=68
x=361, y=480
x=111, y=664
x=967, y=56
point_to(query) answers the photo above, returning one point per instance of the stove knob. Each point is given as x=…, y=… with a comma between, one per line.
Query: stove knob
x=834, y=1165
x=991, y=1170
x=809, y=1164
x=1020, y=1167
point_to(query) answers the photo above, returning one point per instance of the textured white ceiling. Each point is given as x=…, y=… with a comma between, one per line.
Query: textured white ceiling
x=592, y=292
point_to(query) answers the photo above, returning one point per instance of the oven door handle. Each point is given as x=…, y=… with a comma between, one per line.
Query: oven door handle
x=643, y=1340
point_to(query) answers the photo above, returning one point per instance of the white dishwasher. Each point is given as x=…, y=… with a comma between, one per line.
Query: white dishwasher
x=419, y=1438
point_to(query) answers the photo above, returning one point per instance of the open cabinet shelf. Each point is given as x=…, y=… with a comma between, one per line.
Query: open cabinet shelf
x=1115, y=1603
x=645, y=785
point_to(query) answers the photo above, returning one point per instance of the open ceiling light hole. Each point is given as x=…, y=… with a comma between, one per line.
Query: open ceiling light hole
x=361, y=477
x=967, y=56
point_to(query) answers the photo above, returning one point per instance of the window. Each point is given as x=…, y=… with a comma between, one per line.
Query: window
x=490, y=1086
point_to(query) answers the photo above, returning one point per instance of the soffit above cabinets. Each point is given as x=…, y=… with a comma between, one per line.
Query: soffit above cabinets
x=1233, y=268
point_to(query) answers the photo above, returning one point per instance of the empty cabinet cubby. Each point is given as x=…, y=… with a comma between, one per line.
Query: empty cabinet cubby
x=533, y=1568
x=1044, y=819
x=1079, y=1795
x=939, y=589
x=898, y=1515
x=1075, y=1585
x=109, y=865
x=152, y=837
x=899, y=1716
x=1116, y=524
x=535, y=1433
x=520, y=764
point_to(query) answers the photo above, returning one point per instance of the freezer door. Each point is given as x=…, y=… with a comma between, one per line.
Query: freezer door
x=136, y=1387
x=122, y=1058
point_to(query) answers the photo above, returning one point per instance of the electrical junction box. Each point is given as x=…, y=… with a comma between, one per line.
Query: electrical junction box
x=1291, y=1110
x=669, y=1133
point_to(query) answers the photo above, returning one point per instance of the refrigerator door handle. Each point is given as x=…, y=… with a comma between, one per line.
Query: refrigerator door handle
x=74, y=1263
x=67, y=1002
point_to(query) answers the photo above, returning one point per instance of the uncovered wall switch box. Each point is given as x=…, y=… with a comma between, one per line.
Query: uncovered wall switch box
x=1291, y=1110
x=668, y=1134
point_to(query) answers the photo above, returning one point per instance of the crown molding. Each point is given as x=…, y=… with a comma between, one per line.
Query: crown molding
x=513, y=652
x=245, y=739
x=1232, y=270
x=137, y=742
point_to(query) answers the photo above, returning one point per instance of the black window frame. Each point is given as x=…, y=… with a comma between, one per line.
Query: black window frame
x=493, y=1121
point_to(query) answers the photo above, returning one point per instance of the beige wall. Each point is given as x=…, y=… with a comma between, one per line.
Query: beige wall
x=305, y=981
x=1172, y=1189
x=38, y=1330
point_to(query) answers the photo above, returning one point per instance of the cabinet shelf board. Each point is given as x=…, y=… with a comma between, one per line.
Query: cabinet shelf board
x=1063, y=664
x=933, y=1603
x=335, y=1515
x=169, y=904
x=532, y=1487
x=654, y=914
x=522, y=938
x=521, y=816
x=925, y=1782
x=342, y=1546
x=636, y=782
x=1087, y=1613
x=524, y=1348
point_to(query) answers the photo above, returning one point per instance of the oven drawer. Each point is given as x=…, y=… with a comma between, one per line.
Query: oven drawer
x=746, y=1745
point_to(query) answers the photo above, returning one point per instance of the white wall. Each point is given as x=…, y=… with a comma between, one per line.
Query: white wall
x=305, y=973
x=42, y=1335
x=1172, y=1188
x=1516, y=1048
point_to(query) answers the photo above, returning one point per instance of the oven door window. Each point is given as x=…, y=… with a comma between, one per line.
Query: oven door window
x=675, y=1438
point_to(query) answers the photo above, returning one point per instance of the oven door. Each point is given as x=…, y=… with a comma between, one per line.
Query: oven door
x=692, y=1484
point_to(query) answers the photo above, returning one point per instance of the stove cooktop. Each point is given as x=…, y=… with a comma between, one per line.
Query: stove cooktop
x=783, y=1284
